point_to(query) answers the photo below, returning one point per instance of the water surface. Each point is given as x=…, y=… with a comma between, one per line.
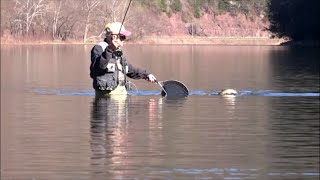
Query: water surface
x=53, y=127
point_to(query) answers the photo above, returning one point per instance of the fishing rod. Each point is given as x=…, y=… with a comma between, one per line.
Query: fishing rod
x=176, y=88
x=118, y=52
x=125, y=16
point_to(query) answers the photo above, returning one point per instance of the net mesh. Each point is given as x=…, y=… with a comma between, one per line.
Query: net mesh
x=174, y=88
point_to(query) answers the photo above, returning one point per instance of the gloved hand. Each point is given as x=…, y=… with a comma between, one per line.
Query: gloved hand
x=151, y=78
x=118, y=52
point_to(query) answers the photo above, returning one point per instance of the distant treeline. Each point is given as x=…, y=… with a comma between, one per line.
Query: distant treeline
x=296, y=19
x=85, y=19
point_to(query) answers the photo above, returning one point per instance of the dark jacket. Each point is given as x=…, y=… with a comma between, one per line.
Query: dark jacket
x=100, y=59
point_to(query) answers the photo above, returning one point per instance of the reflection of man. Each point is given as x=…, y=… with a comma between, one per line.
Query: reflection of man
x=114, y=138
x=109, y=116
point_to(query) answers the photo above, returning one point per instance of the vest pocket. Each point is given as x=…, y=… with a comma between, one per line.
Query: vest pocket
x=111, y=67
x=107, y=81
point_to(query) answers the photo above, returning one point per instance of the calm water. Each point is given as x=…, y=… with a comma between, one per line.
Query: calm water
x=53, y=127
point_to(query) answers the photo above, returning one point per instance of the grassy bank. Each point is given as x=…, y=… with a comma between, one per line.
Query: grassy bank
x=210, y=40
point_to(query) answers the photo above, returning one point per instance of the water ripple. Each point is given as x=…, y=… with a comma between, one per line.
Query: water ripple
x=268, y=93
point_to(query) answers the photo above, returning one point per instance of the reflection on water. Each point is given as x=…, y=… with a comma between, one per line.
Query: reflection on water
x=295, y=132
x=295, y=69
x=53, y=127
x=193, y=93
x=108, y=127
x=232, y=146
x=116, y=138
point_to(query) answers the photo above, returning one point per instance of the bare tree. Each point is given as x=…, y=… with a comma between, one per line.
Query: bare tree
x=66, y=26
x=118, y=9
x=27, y=11
x=62, y=18
x=56, y=10
x=90, y=6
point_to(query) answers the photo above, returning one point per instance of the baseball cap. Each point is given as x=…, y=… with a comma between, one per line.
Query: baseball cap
x=115, y=28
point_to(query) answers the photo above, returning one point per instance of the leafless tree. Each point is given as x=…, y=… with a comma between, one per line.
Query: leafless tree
x=90, y=5
x=63, y=17
x=118, y=9
x=27, y=11
x=107, y=11
x=56, y=10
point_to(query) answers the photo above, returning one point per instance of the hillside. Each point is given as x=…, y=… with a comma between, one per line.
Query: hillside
x=210, y=23
x=175, y=20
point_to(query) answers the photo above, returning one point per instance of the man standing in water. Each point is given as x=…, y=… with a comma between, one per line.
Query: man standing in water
x=109, y=68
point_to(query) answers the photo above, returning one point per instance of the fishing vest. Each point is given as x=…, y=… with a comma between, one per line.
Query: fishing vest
x=115, y=74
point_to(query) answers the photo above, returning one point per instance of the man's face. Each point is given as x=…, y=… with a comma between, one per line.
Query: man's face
x=117, y=40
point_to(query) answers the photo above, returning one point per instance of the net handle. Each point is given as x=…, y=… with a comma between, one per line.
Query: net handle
x=165, y=92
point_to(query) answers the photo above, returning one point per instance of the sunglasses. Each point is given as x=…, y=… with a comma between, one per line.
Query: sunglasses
x=121, y=36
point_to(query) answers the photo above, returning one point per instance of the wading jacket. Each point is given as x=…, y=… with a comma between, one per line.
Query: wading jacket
x=106, y=66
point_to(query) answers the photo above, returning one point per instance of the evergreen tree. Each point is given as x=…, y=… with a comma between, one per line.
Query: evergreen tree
x=296, y=19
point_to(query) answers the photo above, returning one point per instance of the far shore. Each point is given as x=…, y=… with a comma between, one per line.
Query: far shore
x=167, y=40
x=211, y=40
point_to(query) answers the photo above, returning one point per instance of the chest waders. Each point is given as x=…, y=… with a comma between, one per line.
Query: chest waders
x=122, y=80
x=121, y=71
x=114, y=80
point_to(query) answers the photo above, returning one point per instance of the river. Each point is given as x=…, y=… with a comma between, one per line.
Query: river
x=53, y=127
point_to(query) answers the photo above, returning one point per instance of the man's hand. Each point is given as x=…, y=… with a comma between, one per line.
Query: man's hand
x=118, y=52
x=151, y=78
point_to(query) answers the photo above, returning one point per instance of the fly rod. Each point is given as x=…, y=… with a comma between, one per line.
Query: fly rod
x=125, y=14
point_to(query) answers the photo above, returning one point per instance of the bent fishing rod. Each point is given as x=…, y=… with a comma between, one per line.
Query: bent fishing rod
x=183, y=88
x=125, y=14
x=118, y=52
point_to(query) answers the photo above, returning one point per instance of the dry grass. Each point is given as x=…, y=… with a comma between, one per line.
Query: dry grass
x=210, y=40
x=165, y=40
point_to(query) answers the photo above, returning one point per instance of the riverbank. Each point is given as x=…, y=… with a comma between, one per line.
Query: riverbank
x=210, y=40
x=167, y=40
x=302, y=43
